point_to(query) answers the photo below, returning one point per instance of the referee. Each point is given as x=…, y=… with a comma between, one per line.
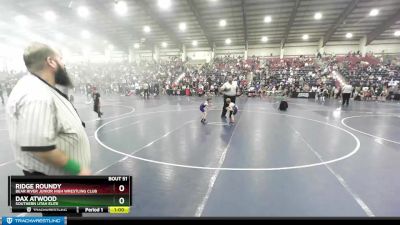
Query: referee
x=45, y=129
x=229, y=89
x=346, y=93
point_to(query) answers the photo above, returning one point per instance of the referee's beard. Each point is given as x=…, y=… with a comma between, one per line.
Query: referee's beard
x=62, y=77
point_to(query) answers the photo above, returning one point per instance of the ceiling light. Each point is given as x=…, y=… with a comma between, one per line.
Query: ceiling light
x=182, y=26
x=164, y=4
x=397, y=33
x=222, y=23
x=305, y=37
x=374, y=12
x=146, y=29
x=349, y=35
x=267, y=19
x=50, y=16
x=121, y=7
x=318, y=16
x=83, y=11
x=194, y=43
x=164, y=44
x=22, y=20
x=264, y=39
x=136, y=45
x=86, y=50
x=60, y=37
x=228, y=41
x=85, y=34
x=65, y=52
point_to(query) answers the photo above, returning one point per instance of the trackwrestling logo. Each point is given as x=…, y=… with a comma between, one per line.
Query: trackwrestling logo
x=33, y=220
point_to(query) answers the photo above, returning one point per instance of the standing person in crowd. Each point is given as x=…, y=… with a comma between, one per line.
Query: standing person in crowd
x=337, y=92
x=1, y=93
x=46, y=132
x=229, y=89
x=96, y=105
x=156, y=88
x=88, y=93
x=146, y=91
x=321, y=93
x=383, y=95
x=346, y=92
x=8, y=89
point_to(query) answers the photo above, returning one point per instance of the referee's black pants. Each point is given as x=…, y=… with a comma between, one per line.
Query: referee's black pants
x=346, y=97
x=146, y=93
x=30, y=174
x=233, y=99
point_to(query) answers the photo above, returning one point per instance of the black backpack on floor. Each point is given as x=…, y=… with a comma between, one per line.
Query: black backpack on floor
x=283, y=106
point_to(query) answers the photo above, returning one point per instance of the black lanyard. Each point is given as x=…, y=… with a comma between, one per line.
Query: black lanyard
x=62, y=94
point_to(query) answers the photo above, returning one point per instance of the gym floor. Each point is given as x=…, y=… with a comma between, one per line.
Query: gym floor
x=314, y=160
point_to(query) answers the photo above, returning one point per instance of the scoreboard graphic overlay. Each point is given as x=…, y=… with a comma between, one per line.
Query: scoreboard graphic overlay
x=70, y=194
